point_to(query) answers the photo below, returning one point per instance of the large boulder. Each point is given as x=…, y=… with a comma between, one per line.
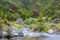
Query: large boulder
x=5, y=34
x=13, y=32
x=24, y=32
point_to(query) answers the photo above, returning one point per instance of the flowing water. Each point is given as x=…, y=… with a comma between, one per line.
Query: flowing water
x=49, y=37
x=46, y=36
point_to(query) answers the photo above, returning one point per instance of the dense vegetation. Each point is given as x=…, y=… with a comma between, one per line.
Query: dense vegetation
x=39, y=9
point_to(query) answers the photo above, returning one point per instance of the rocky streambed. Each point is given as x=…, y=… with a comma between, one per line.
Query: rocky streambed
x=49, y=37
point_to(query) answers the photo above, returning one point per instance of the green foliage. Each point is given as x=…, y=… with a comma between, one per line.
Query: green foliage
x=24, y=14
x=24, y=8
x=30, y=21
x=34, y=9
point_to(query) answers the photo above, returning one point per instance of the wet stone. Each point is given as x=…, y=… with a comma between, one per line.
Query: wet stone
x=3, y=39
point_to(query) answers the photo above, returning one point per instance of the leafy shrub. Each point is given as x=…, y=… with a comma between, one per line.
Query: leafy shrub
x=30, y=21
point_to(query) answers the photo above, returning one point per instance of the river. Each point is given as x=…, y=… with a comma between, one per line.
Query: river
x=49, y=37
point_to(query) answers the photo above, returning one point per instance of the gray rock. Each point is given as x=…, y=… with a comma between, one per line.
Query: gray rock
x=13, y=32
x=25, y=32
x=19, y=20
x=1, y=31
x=5, y=34
x=55, y=19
